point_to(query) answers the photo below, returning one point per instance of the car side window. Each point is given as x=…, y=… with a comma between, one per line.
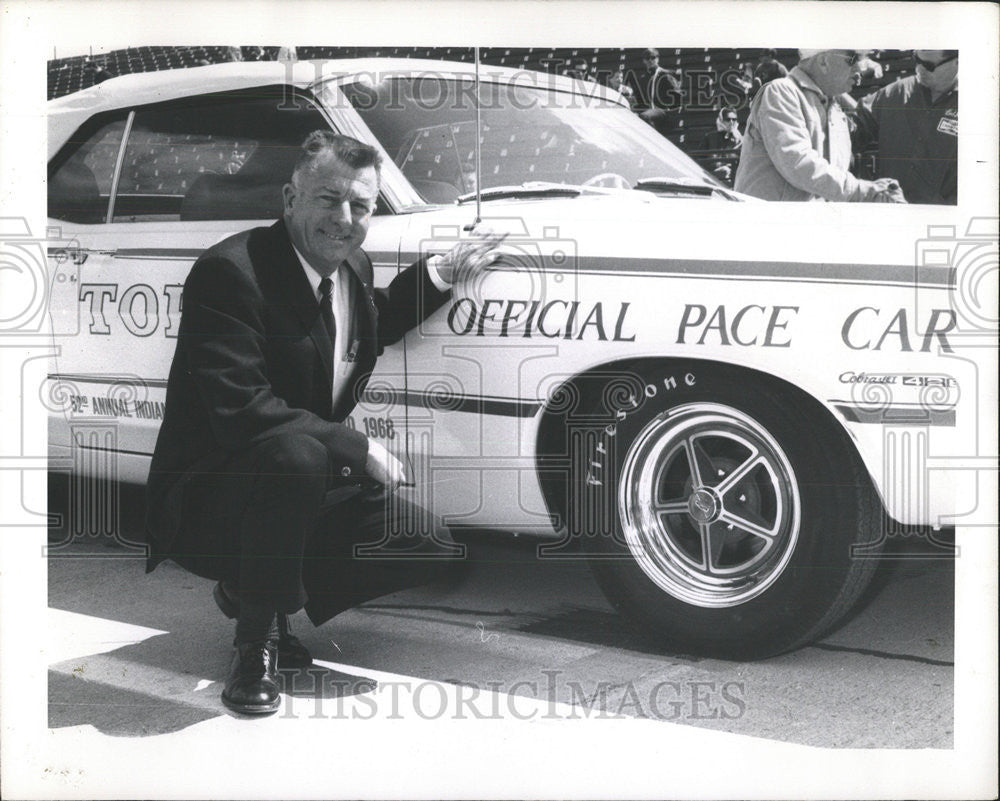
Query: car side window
x=216, y=157
x=80, y=176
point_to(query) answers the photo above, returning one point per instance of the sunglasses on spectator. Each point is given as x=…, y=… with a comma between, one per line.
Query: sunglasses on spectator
x=852, y=58
x=930, y=66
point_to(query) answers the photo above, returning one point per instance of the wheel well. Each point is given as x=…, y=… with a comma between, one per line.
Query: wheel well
x=575, y=399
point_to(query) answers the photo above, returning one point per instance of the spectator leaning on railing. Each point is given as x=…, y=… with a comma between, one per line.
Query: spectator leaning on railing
x=915, y=121
x=797, y=145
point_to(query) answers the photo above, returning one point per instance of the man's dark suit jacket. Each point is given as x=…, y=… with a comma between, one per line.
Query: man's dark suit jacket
x=249, y=363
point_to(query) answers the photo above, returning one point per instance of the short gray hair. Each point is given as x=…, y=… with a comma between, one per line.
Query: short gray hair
x=352, y=152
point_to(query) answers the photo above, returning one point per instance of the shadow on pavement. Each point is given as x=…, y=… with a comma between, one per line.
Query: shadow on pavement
x=165, y=684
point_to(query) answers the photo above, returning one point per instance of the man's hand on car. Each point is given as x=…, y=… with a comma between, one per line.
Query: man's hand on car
x=385, y=468
x=469, y=256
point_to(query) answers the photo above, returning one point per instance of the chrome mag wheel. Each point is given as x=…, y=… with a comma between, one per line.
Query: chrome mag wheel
x=709, y=505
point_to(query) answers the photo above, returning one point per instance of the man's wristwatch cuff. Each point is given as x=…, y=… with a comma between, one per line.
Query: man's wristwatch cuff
x=433, y=263
x=353, y=455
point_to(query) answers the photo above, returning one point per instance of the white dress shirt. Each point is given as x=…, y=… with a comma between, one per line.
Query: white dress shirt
x=341, y=298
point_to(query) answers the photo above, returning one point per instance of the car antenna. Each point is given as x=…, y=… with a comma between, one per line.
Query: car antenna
x=478, y=150
x=471, y=226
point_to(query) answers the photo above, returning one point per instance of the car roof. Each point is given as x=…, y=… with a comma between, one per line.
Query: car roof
x=68, y=113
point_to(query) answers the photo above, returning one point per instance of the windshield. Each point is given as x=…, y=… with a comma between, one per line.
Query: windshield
x=427, y=125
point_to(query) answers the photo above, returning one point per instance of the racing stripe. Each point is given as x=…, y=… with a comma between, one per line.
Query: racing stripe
x=158, y=253
x=86, y=447
x=878, y=274
x=386, y=259
x=115, y=380
x=896, y=414
x=470, y=404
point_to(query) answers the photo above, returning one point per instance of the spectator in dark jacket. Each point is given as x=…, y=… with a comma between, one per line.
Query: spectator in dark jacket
x=915, y=122
x=656, y=92
x=768, y=68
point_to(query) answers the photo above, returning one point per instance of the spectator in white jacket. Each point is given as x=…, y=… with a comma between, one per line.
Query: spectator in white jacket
x=797, y=144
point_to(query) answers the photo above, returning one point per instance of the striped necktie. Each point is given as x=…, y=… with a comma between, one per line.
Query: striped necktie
x=326, y=312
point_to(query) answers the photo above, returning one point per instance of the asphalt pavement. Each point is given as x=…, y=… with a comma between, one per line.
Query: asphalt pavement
x=509, y=635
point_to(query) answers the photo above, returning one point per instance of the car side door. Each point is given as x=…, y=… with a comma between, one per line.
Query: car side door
x=137, y=197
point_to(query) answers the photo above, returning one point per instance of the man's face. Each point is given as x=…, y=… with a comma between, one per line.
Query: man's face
x=651, y=62
x=838, y=75
x=328, y=209
x=943, y=76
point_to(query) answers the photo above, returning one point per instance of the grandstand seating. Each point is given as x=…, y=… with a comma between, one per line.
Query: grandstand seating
x=702, y=67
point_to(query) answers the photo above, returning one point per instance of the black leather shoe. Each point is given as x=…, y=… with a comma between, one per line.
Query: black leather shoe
x=291, y=652
x=251, y=687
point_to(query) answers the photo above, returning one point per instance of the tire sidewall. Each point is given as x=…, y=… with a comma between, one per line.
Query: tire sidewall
x=816, y=570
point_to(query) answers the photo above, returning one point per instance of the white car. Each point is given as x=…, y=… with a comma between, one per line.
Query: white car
x=723, y=405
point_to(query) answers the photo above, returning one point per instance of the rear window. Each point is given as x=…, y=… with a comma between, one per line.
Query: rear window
x=219, y=157
x=223, y=156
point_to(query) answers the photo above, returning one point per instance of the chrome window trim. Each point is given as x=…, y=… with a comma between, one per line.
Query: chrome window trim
x=113, y=194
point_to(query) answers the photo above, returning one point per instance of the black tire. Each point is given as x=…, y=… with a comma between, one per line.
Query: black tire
x=763, y=590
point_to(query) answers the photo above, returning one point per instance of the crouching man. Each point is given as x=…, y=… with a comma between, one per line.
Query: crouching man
x=256, y=482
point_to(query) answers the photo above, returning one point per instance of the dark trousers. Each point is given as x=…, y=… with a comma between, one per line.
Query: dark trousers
x=277, y=525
